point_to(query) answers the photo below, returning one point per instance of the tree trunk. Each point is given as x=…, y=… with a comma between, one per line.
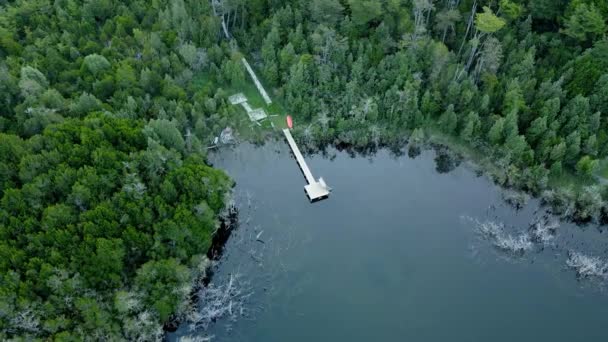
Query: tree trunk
x=469, y=25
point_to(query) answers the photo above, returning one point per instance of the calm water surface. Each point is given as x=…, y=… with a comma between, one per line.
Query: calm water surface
x=399, y=252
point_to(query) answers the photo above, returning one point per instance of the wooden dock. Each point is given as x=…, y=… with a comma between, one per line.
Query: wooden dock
x=315, y=190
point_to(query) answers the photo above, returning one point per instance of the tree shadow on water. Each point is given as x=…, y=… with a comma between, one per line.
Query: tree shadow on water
x=446, y=161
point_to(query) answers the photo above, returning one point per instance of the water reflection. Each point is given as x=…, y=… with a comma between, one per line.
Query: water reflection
x=405, y=249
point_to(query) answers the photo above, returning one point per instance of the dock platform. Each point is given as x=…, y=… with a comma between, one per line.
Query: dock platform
x=315, y=190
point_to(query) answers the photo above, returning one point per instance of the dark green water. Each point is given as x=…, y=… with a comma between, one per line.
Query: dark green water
x=399, y=252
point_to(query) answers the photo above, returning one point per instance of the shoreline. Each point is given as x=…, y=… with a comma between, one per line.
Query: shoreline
x=461, y=161
x=577, y=203
x=228, y=223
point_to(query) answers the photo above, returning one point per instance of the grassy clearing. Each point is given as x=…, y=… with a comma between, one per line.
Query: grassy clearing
x=250, y=130
x=276, y=110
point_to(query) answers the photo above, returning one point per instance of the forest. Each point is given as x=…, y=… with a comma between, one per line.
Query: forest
x=107, y=205
x=107, y=201
x=519, y=86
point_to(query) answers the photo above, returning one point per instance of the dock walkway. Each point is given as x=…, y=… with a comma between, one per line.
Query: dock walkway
x=315, y=190
x=257, y=82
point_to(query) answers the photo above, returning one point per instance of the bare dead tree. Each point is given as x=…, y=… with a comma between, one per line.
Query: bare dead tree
x=469, y=25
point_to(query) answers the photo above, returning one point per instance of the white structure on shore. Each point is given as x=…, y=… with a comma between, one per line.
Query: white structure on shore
x=254, y=114
x=257, y=82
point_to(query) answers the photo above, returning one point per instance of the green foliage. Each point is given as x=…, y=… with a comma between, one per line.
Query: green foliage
x=364, y=11
x=471, y=128
x=488, y=22
x=8, y=43
x=599, y=97
x=573, y=148
x=93, y=217
x=537, y=129
x=449, y=120
x=326, y=11
x=32, y=82
x=547, y=9
x=269, y=54
x=496, y=135
x=96, y=63
x=234, y=73
x=104, y=106
x=586, y=166
x=12, y=150
x=86, y=103
x=158, y=281
x=97, y=180
x=586, y=23
x=165, y=132
x=588, y=68
x=511, y=9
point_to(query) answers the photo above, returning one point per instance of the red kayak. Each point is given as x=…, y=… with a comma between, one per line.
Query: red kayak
x=289, y=122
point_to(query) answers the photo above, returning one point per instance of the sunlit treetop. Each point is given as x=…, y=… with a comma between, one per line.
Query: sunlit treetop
x=488, y=22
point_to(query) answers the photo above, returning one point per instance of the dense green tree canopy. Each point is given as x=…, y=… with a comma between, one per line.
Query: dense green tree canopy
x=522, y=81
x=586, y=23
x=81, y=218
x=106, y=108
x=106, y=201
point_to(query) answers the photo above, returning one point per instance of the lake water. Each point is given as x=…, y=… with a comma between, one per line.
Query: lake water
x=399, y=252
